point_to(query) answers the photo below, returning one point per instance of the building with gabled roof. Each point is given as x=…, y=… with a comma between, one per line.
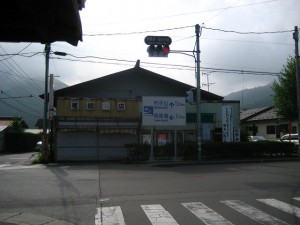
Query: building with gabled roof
x=94, y=119
x=6, y=122
x=265, y=122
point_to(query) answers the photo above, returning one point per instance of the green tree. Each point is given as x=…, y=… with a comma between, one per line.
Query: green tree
x=285, y=92
x=16, y=124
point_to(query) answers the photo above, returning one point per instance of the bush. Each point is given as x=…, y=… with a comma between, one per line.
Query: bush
x=214, y=150
x=138, y=152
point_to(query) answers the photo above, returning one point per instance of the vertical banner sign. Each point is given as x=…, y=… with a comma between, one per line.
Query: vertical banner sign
x=164, y=111
x=227, y=123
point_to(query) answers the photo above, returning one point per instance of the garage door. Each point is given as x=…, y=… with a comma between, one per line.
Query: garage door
x=80, y=145
x=111, y=146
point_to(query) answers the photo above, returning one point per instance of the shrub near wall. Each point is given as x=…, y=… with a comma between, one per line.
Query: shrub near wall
x=214, y=150
x=247, y=150
x=18, y=142
x=137, y=152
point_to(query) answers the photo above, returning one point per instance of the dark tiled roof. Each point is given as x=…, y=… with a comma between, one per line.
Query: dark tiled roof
x=137, y=77
x=264, y=113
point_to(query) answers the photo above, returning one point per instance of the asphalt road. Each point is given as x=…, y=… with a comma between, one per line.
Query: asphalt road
x=95, y=193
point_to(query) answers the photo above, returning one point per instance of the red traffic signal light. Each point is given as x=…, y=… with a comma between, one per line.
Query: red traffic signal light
x=158, y=51
x=166, y=49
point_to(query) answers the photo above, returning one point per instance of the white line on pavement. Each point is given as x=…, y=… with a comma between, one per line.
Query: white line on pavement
x=282, y=206
x=109, y=216
x=158, y=215
x=253, y=213
x=205, y=214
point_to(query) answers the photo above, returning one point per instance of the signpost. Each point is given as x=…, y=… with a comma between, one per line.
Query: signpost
x=163, y=111
x=158, y=40
x=158, y=45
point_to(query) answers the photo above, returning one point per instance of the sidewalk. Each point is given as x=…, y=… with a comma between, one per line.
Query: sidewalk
x=29, y=219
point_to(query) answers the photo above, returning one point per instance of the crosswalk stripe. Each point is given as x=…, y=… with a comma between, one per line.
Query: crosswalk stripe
x=109, y=216
x=282, y=206
x=205, y=214
x=253, y=213
x=158, y=215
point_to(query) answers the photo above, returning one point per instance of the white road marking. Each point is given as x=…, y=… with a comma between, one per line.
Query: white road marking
x=18, y=167
x=297, y=198
x=5, y=165
x=282, y=206
x=158, y=215
x=253, y=213
x=109, y=216
x=205, y=214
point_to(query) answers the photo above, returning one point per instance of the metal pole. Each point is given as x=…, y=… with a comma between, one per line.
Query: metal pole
x=152, y=143
x=296, y=38
x=197, y=30
x=175, y=144
x=45, y=124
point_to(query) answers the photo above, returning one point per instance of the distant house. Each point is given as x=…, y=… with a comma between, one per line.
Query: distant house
x=96, y=118
x=265, y=122
x=5, y=124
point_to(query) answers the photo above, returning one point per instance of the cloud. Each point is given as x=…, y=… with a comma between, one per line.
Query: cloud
x=219, y=49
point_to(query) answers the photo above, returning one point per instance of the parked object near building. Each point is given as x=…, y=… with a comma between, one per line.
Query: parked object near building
x=256, y=138
x=290, y=138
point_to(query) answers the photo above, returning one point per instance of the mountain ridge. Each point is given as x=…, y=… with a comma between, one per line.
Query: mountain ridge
x=253, y=98
x=22, y=100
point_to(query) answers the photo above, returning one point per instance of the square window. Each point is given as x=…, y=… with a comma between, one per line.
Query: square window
x=121, y=106
x=106, y=105
x=90, y=106
x=74, y=105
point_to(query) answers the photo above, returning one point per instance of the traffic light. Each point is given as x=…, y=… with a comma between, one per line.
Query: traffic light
x=158, y=50
x=190, y=96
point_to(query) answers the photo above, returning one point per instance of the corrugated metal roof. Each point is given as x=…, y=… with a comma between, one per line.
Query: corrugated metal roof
x=2, y=127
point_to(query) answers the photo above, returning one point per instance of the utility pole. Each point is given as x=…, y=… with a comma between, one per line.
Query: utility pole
x=197, y=31
x=207, y=80
x=296, y=38
x=45, y=119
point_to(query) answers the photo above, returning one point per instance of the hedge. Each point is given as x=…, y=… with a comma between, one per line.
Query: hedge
x=18, y=142
x=214, y=150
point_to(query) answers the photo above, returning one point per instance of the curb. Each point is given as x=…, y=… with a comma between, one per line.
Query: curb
x=29, y=219
x=212, y=162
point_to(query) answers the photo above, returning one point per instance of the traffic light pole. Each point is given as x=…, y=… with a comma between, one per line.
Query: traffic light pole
x=198, y=98
x=164, y=40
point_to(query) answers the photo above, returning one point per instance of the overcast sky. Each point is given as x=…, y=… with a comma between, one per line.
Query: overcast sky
x=114, y=25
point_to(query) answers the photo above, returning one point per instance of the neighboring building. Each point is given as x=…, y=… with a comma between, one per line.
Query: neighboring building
x=6, y=122
x=96, y=118
x=264, y=122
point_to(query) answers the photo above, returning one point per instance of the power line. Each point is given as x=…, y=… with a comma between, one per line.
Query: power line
x=138, y=32
x=165, y=66
x=29, y=96
x=17, y=53
x=239, y=32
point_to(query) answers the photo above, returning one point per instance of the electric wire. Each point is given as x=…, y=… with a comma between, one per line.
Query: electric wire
x=167, y=66
x=251, y=32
